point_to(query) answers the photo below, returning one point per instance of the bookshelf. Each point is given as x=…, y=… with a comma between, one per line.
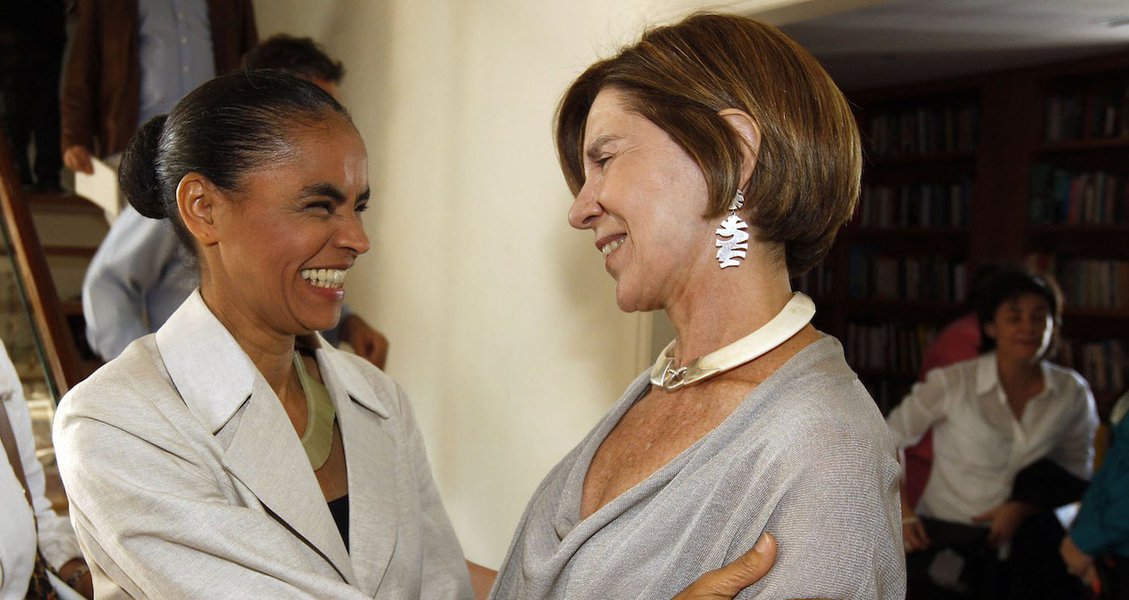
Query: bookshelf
x=1078, y=213
x=1026, y=165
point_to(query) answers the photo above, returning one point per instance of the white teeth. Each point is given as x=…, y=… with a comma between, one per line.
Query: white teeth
x=610, y=247
x=326, y=278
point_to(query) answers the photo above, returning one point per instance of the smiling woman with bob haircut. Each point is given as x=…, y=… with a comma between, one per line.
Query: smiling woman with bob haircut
x=712, y=161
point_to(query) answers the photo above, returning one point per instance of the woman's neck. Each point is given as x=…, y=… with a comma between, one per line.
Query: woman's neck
x=1017, y=373
x=717, y=315
x=271, y=353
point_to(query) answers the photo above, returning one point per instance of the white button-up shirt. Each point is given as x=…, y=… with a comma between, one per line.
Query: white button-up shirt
x=174, y=51
x=978, y=443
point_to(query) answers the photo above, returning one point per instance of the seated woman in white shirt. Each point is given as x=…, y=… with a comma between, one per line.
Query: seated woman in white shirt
x=992, y=417
x=29, y=524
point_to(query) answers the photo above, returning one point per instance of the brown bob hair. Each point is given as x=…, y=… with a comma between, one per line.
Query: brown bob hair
x=806, y=181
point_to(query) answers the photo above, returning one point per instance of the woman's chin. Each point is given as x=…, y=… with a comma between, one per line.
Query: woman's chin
x=630, y=303
x=322, y=323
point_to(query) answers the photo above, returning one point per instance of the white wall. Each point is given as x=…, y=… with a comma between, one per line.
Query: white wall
x=503, y=323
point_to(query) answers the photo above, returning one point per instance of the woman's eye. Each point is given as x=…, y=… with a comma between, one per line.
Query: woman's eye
x=361, y=207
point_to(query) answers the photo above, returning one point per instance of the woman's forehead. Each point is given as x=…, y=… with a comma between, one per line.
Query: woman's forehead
x=1025, y=299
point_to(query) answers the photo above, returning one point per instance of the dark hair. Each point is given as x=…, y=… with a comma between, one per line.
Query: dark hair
x=299, y=56
x=806, y=182
x=221, y=130
x=1006, y=284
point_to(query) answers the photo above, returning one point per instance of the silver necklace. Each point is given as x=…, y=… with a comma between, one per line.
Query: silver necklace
x=788, y=322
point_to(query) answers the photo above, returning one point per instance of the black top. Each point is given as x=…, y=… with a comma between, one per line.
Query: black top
x=339, y=508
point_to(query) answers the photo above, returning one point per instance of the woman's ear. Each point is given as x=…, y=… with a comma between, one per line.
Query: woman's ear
x=197, y=199
x=750, y=134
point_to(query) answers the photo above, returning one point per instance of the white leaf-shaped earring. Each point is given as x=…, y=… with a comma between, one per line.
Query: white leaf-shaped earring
x=732, y=238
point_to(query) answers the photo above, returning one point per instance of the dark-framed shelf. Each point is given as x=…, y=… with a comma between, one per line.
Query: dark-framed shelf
x=1083, y=145
x=912, y=242
x=1080, y=241
x=907, y=232
x=1094, y=324
x=1011, y=121
x=896, y=310
x=917, y=160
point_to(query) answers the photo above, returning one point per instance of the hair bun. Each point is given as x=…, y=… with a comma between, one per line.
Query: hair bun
x=137, y=174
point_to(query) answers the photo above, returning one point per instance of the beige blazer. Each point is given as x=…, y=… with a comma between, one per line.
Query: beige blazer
x=187, y=480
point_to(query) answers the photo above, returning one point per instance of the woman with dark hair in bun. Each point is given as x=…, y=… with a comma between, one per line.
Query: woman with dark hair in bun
x=235, y=453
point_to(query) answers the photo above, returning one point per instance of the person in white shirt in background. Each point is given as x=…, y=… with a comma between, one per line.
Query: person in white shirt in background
x=993, y=417
x=23, y=530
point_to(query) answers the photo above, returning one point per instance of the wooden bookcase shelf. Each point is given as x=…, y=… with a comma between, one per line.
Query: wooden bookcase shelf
x=1028, y=165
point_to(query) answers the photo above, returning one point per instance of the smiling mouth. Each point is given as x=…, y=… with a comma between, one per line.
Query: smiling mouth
x=325, y=278
x=611, y=246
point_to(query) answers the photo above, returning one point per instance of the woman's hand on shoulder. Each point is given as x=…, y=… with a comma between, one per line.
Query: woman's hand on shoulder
x=367, y=342
x=728, y=581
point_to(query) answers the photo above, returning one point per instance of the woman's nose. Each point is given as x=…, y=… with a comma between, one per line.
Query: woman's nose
x=352, y=236
x=585, y=208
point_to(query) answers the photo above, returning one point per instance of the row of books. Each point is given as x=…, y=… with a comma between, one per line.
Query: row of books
x=888, y=348
x=1095, y=113
x=1104, y=364
x=1061, y=196
x=1087, y=283
x=924, y=130
x=817, y=282
x=933, y=278
x=916, y=205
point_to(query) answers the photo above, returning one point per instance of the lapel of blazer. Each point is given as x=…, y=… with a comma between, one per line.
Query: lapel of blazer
x=215, y=378
x=265, y=456
x=370, y=454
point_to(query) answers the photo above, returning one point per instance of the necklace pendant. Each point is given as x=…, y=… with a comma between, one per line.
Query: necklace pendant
x=790, y=320
x=672, y=378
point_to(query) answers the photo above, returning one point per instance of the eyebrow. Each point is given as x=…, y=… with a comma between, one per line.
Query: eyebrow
x=592, y=152
x=331, y=191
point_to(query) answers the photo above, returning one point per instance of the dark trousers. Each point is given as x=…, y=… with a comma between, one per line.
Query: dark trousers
x=31, y=61
x=981, y=572
x=1114, y=573
x=1033, y=570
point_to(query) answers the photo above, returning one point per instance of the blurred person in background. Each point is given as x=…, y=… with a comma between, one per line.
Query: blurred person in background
x=1097, y=547
x=38, y=549
x=1013, y=439
x=32, y=38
